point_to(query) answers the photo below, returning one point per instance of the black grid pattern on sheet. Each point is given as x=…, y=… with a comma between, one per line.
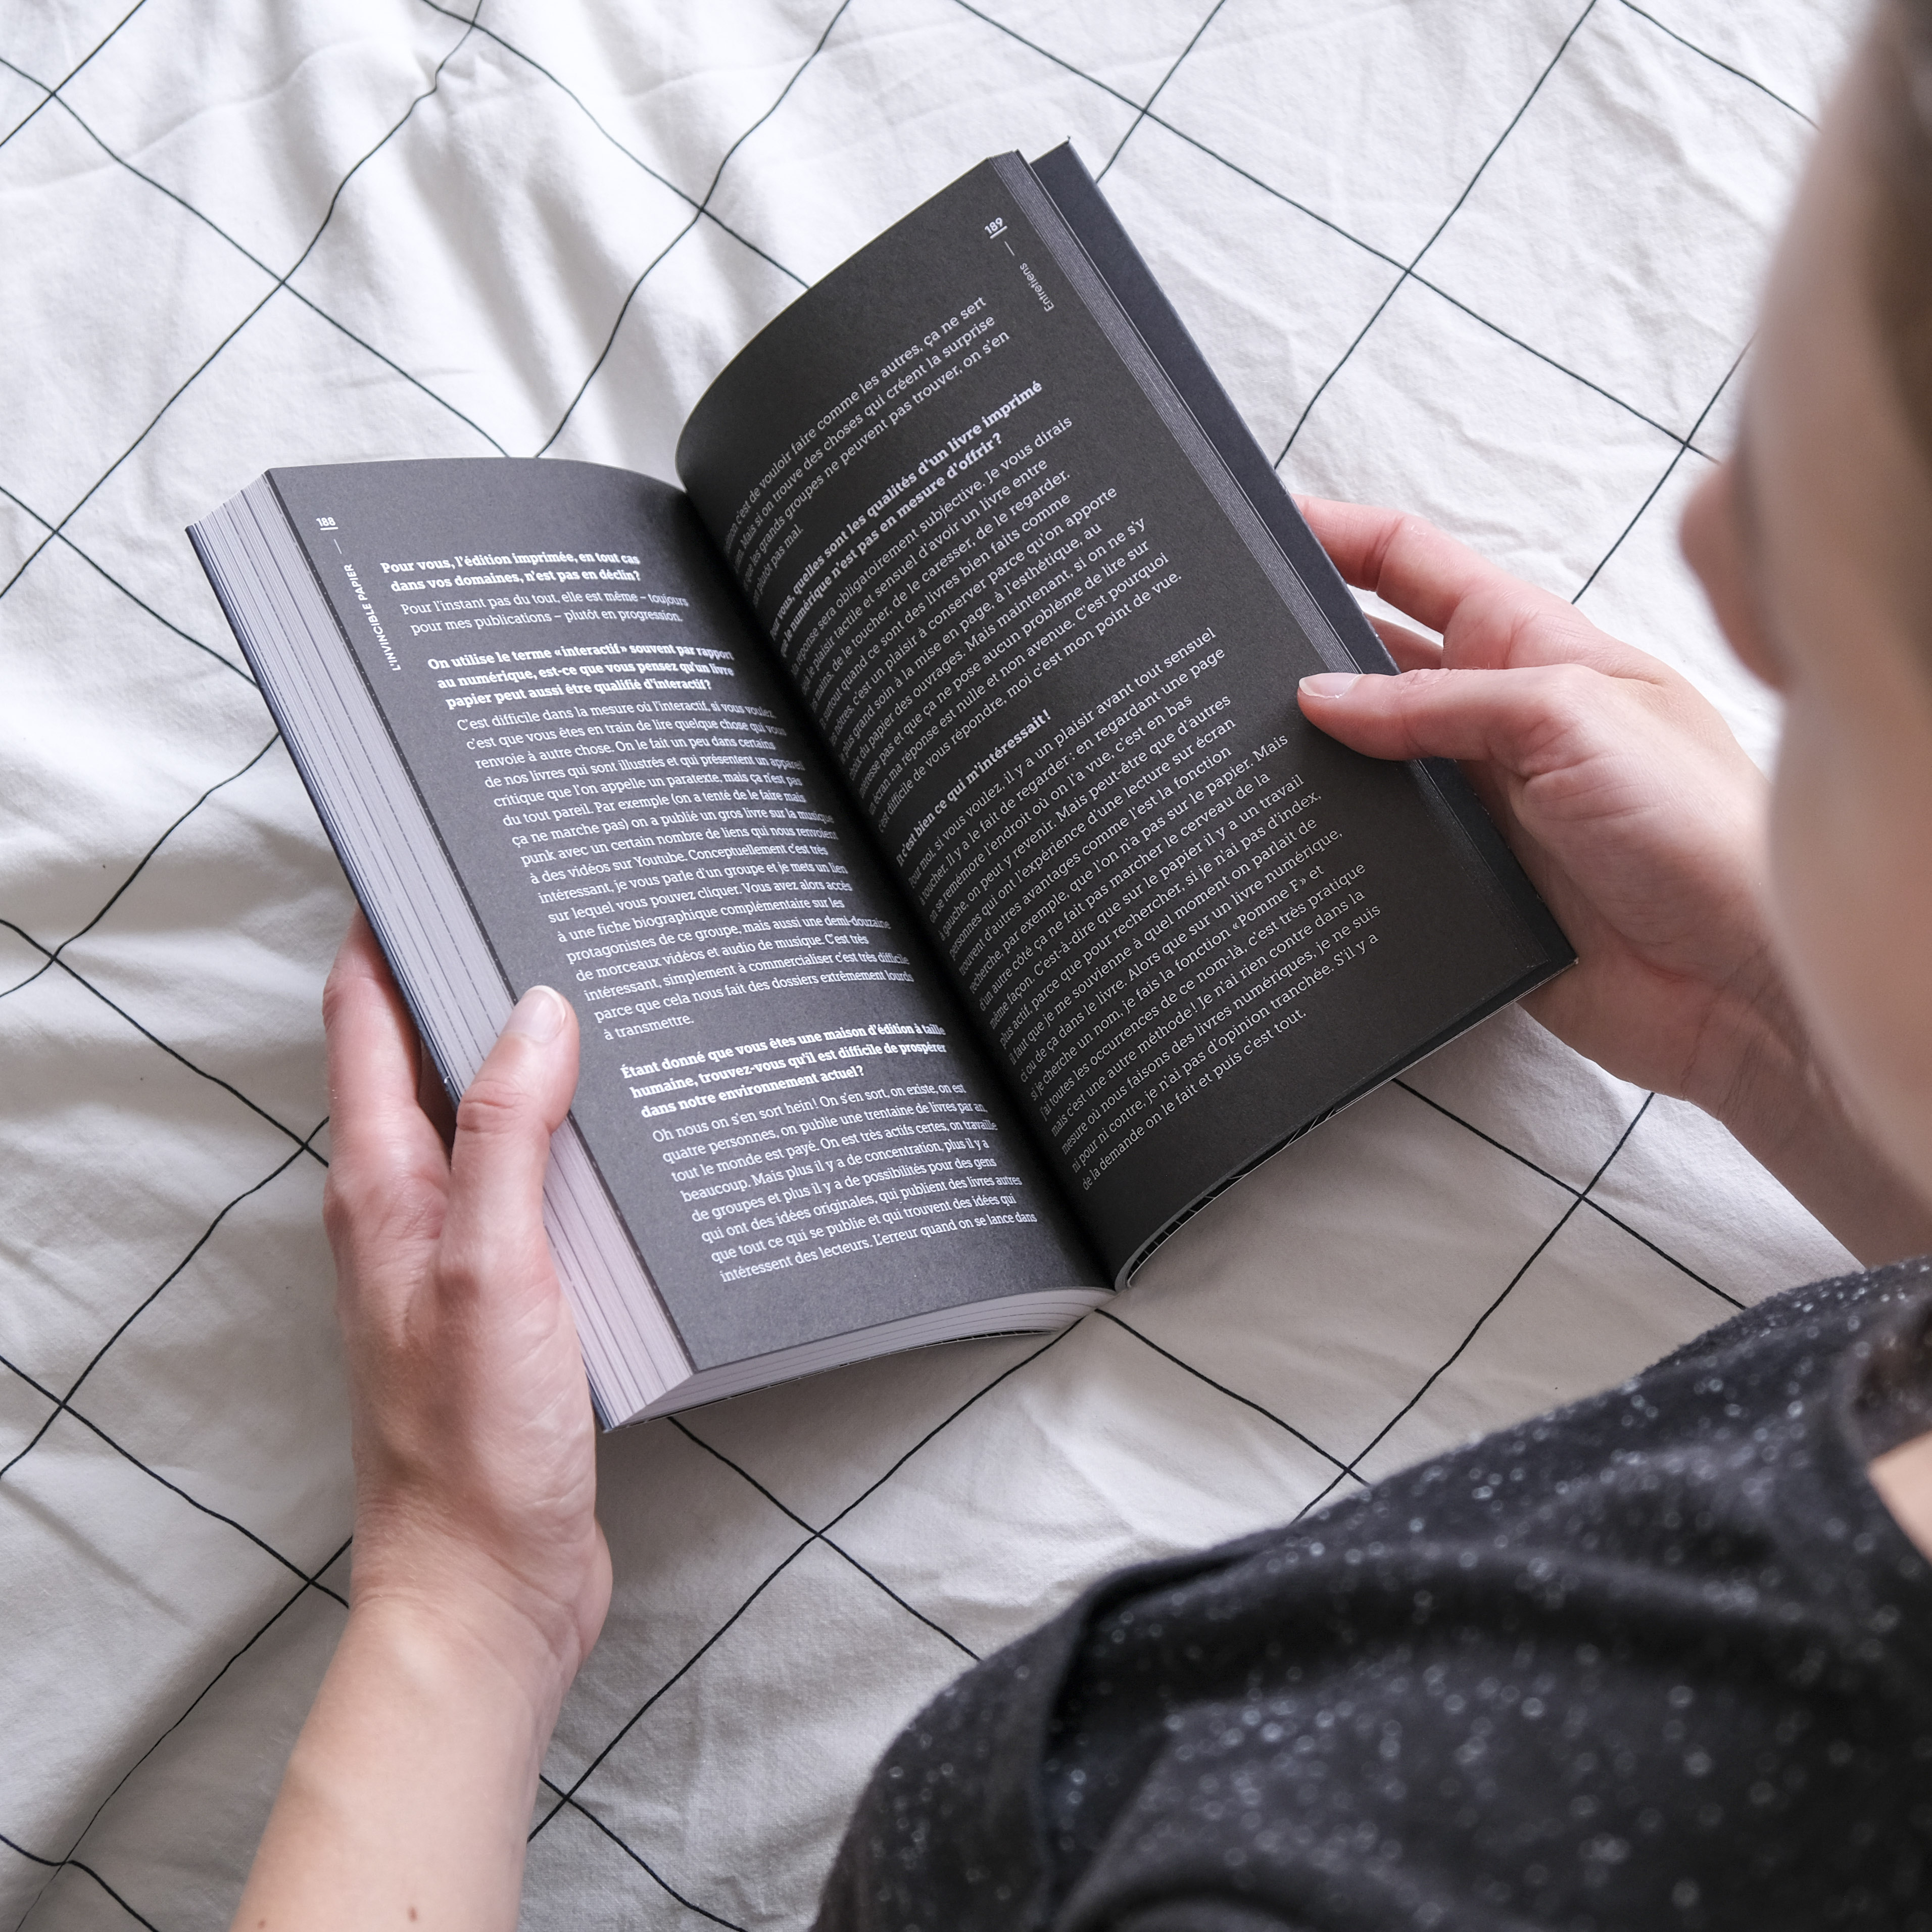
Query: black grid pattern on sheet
x=467, y=33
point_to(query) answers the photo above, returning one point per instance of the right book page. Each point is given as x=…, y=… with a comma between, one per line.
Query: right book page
x=1053, y=642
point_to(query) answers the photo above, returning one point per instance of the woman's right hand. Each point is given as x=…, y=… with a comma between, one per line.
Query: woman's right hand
x=1618, y=787
x=1640, y=820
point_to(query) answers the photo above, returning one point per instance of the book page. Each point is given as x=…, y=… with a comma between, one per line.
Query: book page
x=1055, y=651
x=790, y=1112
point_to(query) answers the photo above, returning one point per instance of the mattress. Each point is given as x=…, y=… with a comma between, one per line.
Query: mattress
x=1496, y=263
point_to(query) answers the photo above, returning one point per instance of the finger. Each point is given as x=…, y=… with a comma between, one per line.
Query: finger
x=503, y=1127
x=1522, y=720
x=1408, y=563
x=376, y=1126
x=1411, y=650
x=1488, y=619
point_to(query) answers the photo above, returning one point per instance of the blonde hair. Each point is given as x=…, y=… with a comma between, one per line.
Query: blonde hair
x=1899, y=132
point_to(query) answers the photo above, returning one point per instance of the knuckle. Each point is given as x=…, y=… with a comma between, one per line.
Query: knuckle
x=348, y=1201
x=334, y=995
x=1573, y=690
x=462, y=1274
x=338, y=1209
x=362, y=1209
x=494, y=1108
x=1568, y=709
x=1414, y=698
x=1406, y=532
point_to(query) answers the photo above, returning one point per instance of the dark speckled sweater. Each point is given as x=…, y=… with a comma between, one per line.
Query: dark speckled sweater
x=1660, y=1660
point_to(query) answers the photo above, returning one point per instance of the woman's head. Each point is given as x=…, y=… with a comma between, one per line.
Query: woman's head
x=1815, y=543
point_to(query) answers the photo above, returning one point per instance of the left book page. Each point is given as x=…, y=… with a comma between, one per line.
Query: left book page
x=788, y=1112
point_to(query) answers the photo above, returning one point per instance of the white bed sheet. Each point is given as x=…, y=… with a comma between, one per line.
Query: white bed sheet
x=1495, y=263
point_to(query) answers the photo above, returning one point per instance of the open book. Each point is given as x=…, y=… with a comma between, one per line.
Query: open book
x=916, y=807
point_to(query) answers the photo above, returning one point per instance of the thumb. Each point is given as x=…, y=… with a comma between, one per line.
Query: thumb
x=503, y=1127
x=1514, y=718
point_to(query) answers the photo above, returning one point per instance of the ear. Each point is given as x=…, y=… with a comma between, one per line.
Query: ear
x=1714, y=544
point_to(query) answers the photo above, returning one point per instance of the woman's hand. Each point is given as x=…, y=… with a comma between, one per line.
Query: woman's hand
x=1621, y=790
x=479, y=1578
x=1639, y=818
x=475, y=1478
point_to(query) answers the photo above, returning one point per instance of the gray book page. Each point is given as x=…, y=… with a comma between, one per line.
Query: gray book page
x=1054, y=649
x=793, y=1116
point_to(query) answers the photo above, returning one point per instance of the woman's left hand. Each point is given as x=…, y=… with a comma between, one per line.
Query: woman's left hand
x=479, y=1578
x=476, y=1475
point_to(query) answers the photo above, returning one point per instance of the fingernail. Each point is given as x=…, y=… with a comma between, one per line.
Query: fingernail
x=539, y=1015
x=1330, y=684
